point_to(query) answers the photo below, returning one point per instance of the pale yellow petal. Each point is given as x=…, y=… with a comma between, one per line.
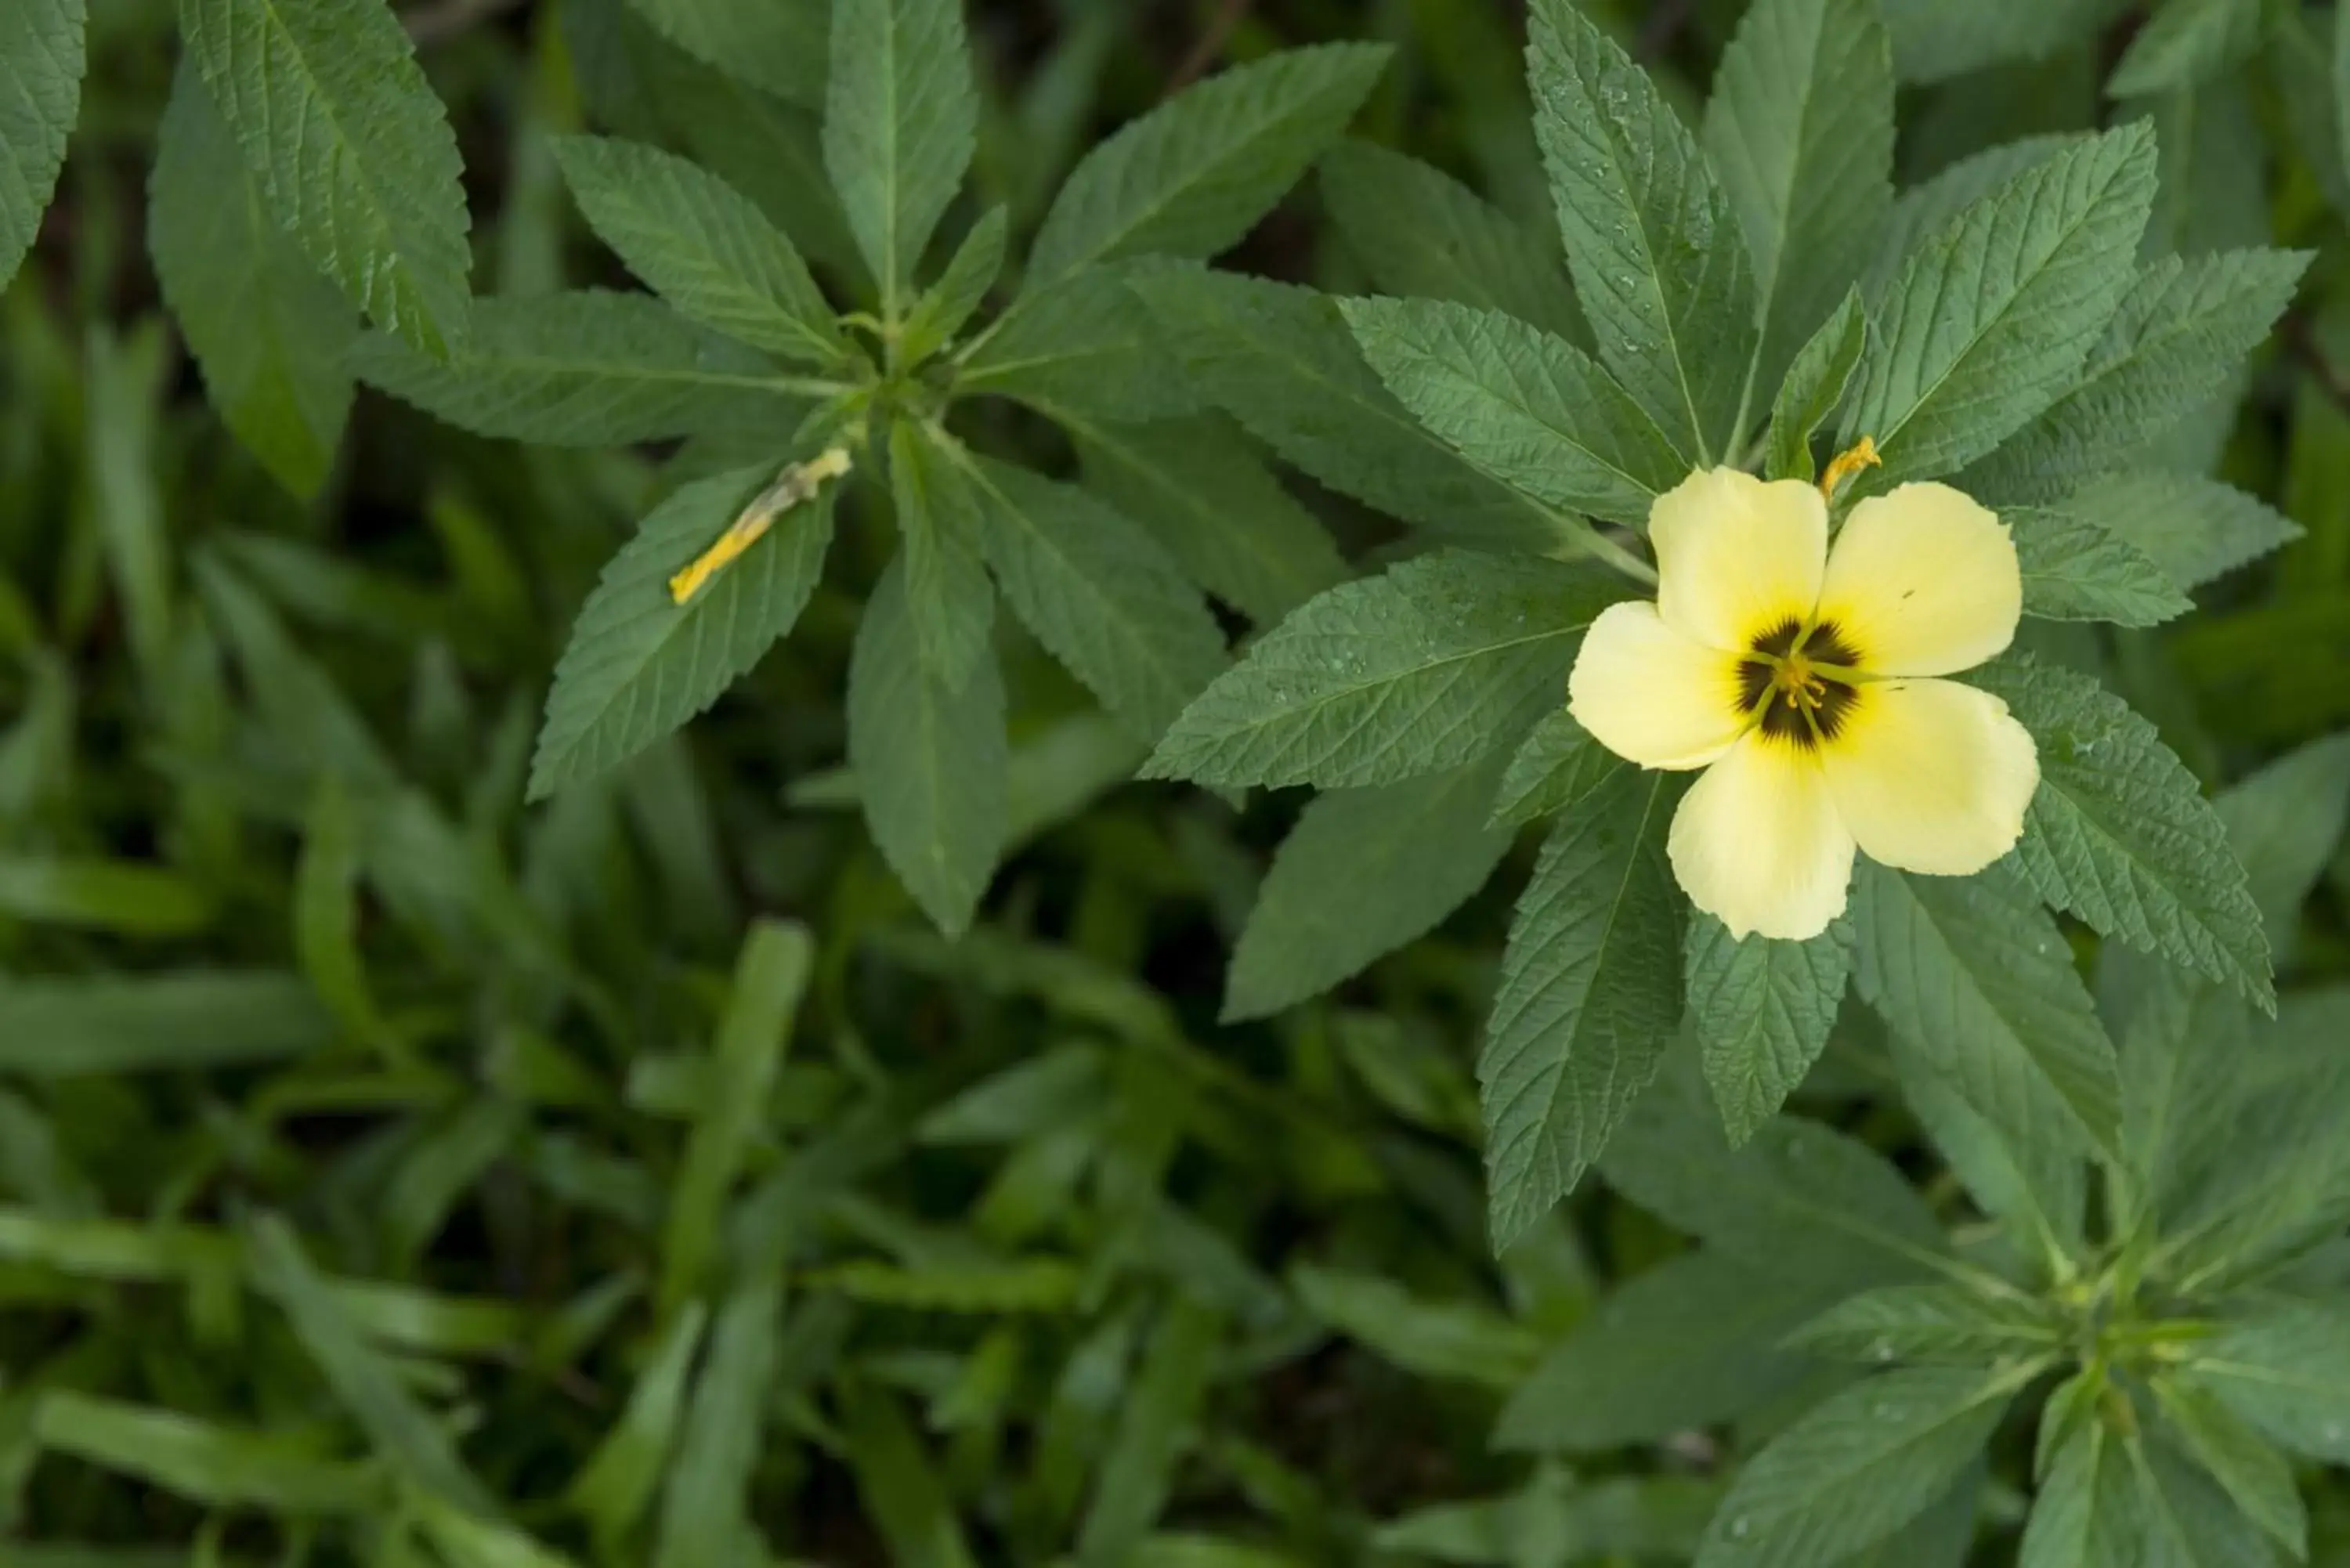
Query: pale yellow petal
x=1924, y=581
x=1652, y=696
x=1930, y=775
x=1737, y=557
x=1758, y=845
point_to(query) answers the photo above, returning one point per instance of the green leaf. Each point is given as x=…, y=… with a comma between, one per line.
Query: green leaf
x=1814, y=388
x=1695, y=1341
x=587, y=369
x=1989, y=322
x=948, y=594
x=702, y=245
x=705, y=1502
x=1363, y=872
x=343, y=131
x=2036, y=1187
x=1558, y=765
x=775, y=46
x=327, y=912
x=2193, y=529
x=366, y=1383
x=1934, y=41
x=1199, y=489
x=42, y=57
x=2285, y=824
x=2187, y=42
x=1590, y=995
x=2285, y=1368
x=1797, y=1195
x=2189, y=1521
x=218, y=1466
x=947, y=306
x=2086, y=1515
x=901, y=120
x=902, y=1492
x=1531, y=409
x=464, y=1541
x=268, y=331
x=1800, y=129
x=2075, y=569
x=1977, y=978
x=1857, y=1467
x=109, y=1025
x=1194, y=175
x=1927, y=208
x=1651, y=237
x=1432, y=665
x=616, y=1484
x=1451, y=1339
x=1098, y=592
x=769, y=978
x=1422, y=234
x=1154, y=1427
x=123, y=898
x=2251, y=1472
x=638, y=663
x=1762, y=1010
x=2121, y=834
x=2173, y=342
x=1081, y=347
x=930, y=760
x=1282, y=361
x=1943, y=1324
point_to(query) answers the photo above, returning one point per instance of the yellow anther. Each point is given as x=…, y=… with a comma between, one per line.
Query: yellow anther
x=798, y=482
x=1847, y=463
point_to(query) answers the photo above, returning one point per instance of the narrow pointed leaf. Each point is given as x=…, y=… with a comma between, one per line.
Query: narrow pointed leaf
x=42, y=57
x=901, y=120
x=1762, y=1010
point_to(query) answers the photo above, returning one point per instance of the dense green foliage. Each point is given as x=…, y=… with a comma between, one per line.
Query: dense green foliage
x=637, y=640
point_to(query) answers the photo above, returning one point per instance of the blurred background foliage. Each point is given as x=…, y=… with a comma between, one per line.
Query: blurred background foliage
x=368, y=1142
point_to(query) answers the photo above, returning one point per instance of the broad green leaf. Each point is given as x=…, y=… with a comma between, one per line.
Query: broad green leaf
x=1943, y=1536
x=1977, y=978
x=1434, y=664
x=366, y=1382
x=587, y=369
x=2121, y=834
x=948, y=594
x=99, y=1026
x=1199, y=489
x=2183, y=1042
x=1934, y=40
x=1857, y=1467
x=1590, y=996
x=1800, y=129
x=1943, y=1324
x=2075, y=569
x=268, y=331
x=2285, y=1368
x=947, y=306
x=775, y=46
x=702, y=245
x=2176, y=338
x=1814, y=388
x=2187, y=42
x=1422, y=234
x=930, y=760
x=1098, y=592
x=2285, y=823
x=1694, y=1341
x=1363, y=872
x=2086, y=1515
x=1797, y=1195
x=1282, y=361
x=1082, y=347
x=904, y=1495
x=769, y=978
x=1987, y=324
x=1558, y=765
x=901, y=120
x=344, y=135
x=705, y=1512
x=2254, y=1475
x=1154, y=1427
x=1193, y=176
x=2194, y=530
x=1451, y=1339
x=1531, y=409
x=2189, y=1522
x=2036, y=1188
x=201, y=1461
x=1651, y=237
x=616, y=1484
x=42, y=57
x=1927, y=208
x=640, y=664
x=1761, y=1010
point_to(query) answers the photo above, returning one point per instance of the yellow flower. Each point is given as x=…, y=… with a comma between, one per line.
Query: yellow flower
x=1800, y=683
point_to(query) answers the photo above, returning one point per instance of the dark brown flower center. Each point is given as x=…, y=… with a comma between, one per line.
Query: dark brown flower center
x=1795, y=682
